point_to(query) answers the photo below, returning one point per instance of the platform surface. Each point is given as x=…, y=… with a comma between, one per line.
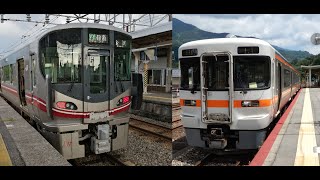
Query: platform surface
x=21, y=144
x=295, y=140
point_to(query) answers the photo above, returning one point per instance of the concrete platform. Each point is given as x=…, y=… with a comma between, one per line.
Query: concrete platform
x=21, y=144
x=295, y=139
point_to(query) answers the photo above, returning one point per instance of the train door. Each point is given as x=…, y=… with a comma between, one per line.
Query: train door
x=33, y=84
x=96, y=83
x=22, y=90
x=216, y=87
x=279, y=88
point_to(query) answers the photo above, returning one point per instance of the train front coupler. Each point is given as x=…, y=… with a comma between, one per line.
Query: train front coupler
x=101, y=139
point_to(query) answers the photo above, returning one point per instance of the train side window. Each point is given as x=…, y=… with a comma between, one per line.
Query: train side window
x=6, y=73
x=11, y=73
x=1, y=77
x=33, y=71
x=287, y=78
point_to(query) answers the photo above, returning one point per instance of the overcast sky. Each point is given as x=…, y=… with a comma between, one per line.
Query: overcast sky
x=290, y=31
x=11, y=32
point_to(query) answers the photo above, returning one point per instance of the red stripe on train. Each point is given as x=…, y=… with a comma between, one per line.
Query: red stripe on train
x=61, y=114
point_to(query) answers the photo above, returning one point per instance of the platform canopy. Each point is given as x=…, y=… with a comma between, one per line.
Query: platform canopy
x=315, y=70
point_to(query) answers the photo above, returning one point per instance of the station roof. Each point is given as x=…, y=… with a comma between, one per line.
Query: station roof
x=161, y=34
x=311, y=67
x=152, y=30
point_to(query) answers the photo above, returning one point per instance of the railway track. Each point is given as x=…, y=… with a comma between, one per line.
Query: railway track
x=199, y=157
x=156, y=130
x=176, y=118
x=99, y=160
x=212, y=159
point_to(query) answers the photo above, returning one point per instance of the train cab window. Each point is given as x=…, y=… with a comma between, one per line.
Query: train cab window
x=60, y=55
x=251, y=72
x=98, y=73
x=122, y=57
x=217, y=72
x=190, y=73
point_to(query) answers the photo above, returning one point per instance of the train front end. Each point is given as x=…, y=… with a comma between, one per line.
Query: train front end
x=86, y=88
x=226, y=94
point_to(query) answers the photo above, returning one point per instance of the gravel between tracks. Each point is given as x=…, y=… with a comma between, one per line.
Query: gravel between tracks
x=178, y=133
x=152, y=121
x=143, y=150
x=190, y=157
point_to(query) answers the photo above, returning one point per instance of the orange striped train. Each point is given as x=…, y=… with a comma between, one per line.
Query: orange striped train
x=231, y=91
x=74, y=81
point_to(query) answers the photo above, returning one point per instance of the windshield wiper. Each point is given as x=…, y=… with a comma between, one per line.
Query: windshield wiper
x=71, y=86
x=193, y=90
x=122, y=89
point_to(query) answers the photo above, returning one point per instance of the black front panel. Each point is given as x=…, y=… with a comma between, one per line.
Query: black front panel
x=62, y=55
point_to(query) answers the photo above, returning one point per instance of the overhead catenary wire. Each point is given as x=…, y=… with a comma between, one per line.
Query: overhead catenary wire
x=35, y=32
x=146, y=20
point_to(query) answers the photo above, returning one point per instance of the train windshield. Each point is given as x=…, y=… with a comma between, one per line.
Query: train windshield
x=122, y=57
x=251, y=72
x=190, y=74
x=60, y=55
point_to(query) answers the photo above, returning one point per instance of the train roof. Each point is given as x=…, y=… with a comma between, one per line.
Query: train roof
x=205, y=43
x=60, y=27
x=224, y=41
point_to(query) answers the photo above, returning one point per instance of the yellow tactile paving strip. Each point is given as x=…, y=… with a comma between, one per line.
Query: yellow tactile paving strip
x=307, y=138
x=4, y=155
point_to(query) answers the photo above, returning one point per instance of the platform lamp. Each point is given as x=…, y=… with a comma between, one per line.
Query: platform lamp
x=315, y=40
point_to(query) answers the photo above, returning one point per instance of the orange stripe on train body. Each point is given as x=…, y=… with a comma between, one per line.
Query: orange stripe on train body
x=225, y=103
x=286, y=63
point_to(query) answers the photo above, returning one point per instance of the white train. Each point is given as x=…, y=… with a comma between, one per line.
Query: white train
x=231, y=90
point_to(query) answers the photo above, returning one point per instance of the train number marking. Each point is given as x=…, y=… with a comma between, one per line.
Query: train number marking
x=67, y=143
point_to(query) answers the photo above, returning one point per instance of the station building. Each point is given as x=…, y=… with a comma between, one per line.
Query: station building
x=152, y=57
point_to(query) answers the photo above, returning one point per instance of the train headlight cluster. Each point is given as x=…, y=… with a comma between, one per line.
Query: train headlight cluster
x=123, y=100
x=253, y=103
x=190, y=102
x=66, y=105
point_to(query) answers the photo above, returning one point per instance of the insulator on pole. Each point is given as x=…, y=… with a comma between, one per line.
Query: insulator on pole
x=28, y=17
x=47, y=19
x=68, y=19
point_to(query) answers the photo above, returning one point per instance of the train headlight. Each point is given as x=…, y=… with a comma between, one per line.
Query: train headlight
x=66, y=105
x=254, y=103
x=123, y=100
x=190, y=102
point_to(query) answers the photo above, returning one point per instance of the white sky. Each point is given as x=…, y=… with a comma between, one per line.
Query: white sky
x=290, y=31
x=11, y=32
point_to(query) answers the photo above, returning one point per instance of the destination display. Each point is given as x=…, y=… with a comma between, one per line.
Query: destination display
x=98, y=38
